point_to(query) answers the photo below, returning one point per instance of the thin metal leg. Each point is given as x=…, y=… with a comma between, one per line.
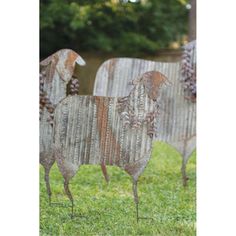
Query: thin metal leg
x=104, y=171
x=184, y=176
x=136, y=200
x=137, y=217
x=68, y=193
x=46, y=178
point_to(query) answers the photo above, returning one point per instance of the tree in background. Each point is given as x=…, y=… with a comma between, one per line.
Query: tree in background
x=192, y=21
x=121, y=27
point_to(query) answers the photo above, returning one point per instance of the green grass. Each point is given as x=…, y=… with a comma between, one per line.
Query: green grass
x=109, y=209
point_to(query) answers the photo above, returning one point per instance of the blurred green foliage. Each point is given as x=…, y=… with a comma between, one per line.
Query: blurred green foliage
x=112, y=26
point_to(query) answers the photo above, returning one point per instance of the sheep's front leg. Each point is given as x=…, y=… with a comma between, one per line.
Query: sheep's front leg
x=136, y=200
x=47, y=161
x=183, y=171
x=68, y=193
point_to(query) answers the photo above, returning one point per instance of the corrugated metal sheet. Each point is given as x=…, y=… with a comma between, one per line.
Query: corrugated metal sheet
x=109, y=130
x=55, y=72
x=188, y=71
x=177, y=122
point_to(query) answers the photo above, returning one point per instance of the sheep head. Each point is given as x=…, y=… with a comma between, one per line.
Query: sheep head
x=152, y=81
x=63, y=61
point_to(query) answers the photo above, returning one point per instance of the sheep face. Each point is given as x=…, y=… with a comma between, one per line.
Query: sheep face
x=152, y=82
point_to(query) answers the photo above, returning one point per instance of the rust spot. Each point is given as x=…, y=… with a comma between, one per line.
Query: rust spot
x=70, y=61
x=104, y=171
x=104, y=130
x=49, y=66
x=111, y=69
x=153, y=81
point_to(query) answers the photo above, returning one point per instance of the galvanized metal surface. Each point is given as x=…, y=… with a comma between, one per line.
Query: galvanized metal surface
x=55, y=72
x=108, y=130
x=177, y=121
x=188, y=71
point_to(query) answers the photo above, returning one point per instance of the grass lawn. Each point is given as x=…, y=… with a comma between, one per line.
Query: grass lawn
x=109, y=209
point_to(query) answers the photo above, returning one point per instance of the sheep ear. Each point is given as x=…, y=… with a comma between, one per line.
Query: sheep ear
x=80, y=61
x=166, y=81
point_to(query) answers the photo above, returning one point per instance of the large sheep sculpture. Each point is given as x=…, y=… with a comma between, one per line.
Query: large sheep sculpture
x=108, y=130
x=177, y=121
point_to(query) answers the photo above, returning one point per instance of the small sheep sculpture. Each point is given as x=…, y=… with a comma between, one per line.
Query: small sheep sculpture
x=108, y=130
x=55, y=73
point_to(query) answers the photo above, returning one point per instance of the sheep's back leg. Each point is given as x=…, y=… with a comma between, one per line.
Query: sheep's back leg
x=104, y=171
x=47, y=181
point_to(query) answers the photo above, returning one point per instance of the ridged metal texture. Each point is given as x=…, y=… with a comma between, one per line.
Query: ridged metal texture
x=177, y=121
x=108, y=130
x=188, y=71
x=55, y=72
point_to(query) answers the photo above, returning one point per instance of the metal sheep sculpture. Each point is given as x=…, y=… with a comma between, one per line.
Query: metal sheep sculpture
x=55, y=73
x=108, y=130
x=177, y=121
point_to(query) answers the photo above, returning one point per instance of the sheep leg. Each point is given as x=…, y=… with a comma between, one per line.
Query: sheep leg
x=136, y=200
x=104, y=171
x=47, y=162
x=46, y=178
x=68, y=193
x=183, y=171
